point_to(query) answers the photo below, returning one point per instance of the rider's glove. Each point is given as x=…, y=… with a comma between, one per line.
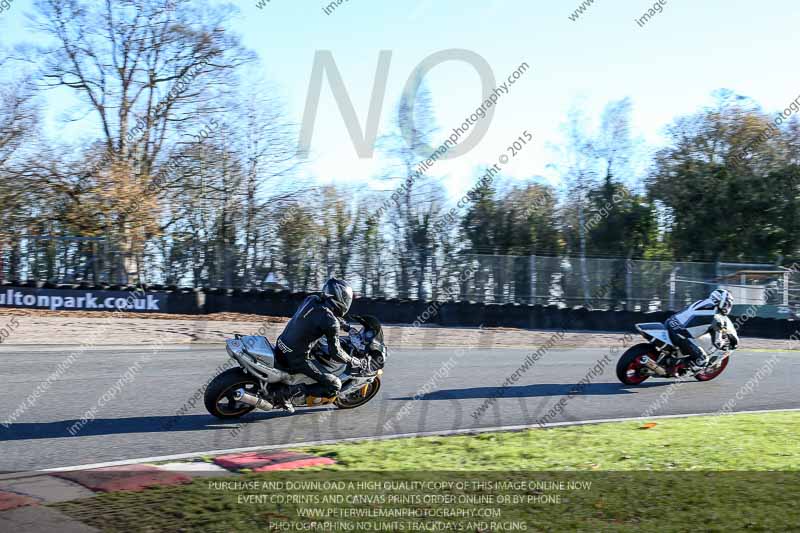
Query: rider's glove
x=355, y=364
x=733, y=342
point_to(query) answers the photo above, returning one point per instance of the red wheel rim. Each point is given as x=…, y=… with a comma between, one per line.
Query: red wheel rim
x=632, y=374
x=706, y=376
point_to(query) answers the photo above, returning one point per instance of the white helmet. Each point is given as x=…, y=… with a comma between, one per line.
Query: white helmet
x=722, y=300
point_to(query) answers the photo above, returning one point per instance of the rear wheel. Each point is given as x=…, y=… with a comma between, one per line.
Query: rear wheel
x=357, y=399
x=710, y=373
x=219, y=394
x=630, y=369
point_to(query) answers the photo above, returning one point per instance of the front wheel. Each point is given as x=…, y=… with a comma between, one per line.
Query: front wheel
x=630, y=369
x=710, y=373
x=365, y=394
x=219, y=394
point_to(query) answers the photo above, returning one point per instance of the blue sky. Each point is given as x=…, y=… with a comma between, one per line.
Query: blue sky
x=669, y=67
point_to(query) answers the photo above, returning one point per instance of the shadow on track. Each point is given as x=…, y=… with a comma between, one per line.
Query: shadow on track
x=139, y=424
x=537, y=390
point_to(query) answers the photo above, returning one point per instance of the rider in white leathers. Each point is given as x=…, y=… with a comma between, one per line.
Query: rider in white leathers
x=697, y=320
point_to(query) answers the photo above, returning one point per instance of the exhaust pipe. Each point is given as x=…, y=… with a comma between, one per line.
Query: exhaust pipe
x=652, y=365
x=243, y=396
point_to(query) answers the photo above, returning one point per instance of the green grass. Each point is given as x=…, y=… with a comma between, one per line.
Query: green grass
x=735, y=442
x=739, y=472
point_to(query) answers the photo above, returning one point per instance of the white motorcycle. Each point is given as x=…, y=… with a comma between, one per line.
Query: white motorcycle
x=239, y=390
x=660, y=358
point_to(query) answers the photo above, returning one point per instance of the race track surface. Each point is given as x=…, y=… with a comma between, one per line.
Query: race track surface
x=140, y=418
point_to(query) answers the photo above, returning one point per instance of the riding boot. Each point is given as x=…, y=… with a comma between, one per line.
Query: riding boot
x=700, y=359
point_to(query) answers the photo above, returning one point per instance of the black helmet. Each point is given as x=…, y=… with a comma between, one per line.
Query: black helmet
x=340, y=294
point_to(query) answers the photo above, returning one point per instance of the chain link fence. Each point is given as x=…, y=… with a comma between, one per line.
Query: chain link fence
x=600, y=283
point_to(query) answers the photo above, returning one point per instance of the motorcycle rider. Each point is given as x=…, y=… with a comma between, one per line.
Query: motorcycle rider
x=319, y=316
x=697, y=320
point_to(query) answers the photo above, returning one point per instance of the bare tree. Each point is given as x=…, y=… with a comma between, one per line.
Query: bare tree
x=416, y=208
x=145, y=70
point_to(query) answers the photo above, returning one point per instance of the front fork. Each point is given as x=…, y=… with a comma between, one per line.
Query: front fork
x=359, y=384
x=716, y=360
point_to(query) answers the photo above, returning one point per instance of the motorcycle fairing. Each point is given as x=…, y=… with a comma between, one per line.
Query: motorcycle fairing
x=655, y=332
x=260, y=348
x=261, y=361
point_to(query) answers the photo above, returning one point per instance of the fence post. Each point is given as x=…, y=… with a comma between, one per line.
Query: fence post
x=629, y=304
x=786, y=280
x=533, y=279
x=673, y=277
x=200, y=301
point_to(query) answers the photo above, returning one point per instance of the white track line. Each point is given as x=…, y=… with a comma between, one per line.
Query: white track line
x=445, y=433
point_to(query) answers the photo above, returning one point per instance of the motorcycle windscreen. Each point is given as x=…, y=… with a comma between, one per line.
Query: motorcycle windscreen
x=373, y=338
x=373, y=328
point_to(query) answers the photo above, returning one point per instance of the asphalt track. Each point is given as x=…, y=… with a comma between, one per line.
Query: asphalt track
x=142, y=418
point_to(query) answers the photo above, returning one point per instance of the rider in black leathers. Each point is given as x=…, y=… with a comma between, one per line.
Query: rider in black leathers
x=319, y=316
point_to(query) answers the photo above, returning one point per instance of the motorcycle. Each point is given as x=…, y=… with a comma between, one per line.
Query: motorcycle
x=660, y=358
x=252, y=385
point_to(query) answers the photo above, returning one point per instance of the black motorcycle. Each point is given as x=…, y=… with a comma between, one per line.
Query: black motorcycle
x=252, y=385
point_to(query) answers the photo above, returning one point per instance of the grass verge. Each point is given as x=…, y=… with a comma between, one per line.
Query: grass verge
x=709, y=473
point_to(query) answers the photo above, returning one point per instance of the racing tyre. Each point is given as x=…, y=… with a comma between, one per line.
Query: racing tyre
x=710, y=373
x=368, y=392
x=219, y=394
x=629, y=366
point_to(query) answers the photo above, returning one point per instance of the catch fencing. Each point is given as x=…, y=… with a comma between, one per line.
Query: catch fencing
x=563, y=281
